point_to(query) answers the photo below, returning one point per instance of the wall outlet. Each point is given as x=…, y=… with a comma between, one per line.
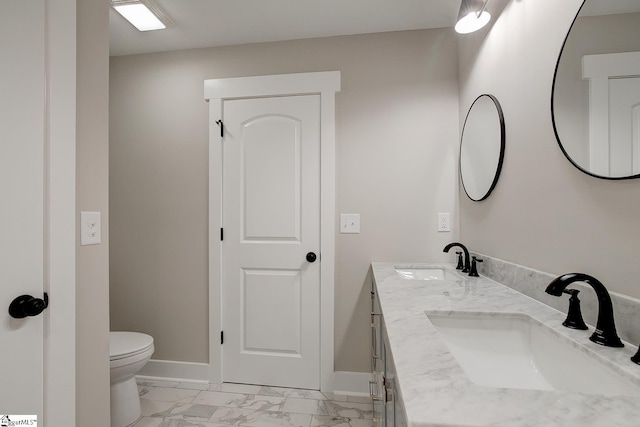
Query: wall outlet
x=444, y=221
x=90, y=228
x=349, y=223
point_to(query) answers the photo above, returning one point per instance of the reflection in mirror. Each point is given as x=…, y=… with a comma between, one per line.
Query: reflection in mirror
x=482, y=147
x=596, y=90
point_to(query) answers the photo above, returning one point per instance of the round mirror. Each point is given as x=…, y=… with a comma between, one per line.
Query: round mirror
x=595, y=101
x=482, y=147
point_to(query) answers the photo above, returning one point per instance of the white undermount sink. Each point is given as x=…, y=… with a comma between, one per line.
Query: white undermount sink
x=412, y=272
x=516, y=351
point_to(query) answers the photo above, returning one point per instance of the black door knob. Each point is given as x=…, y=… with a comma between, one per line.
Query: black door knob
x=311, y=257
x=26, y=305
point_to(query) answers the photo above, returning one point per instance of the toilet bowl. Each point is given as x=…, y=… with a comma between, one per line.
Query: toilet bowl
x=128, y=353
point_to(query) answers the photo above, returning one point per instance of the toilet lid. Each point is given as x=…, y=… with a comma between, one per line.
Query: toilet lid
x=125, y=344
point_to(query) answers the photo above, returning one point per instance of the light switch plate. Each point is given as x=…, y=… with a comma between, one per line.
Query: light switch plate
x=349, y=223
x=90, y=228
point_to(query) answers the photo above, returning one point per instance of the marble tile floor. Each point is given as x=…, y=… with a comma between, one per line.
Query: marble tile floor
x=173, y=404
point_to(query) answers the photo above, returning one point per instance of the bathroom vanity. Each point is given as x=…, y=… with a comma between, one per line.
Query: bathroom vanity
x=453, y=350
x=388, y=409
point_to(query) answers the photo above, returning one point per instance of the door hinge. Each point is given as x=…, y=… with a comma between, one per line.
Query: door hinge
x=221, y=234
x=221, y=337
x=219, y=123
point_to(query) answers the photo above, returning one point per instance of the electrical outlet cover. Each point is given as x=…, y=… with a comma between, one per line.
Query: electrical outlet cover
x=444, y=221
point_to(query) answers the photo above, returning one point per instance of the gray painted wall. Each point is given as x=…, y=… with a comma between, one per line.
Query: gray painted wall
x=544, y=213
x=397, y=133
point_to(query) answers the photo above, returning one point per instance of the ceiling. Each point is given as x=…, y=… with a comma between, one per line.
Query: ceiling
x=209, y=23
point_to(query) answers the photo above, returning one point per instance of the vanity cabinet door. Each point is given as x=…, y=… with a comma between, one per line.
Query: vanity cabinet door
x=376, y=332
x=389, y=389
x=394, y=409
x=376, y=385
x=401, y=420
x=377, y=394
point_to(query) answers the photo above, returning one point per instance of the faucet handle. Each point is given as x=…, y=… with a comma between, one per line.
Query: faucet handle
x=474, y=267
x=574, y=315
x=572, y=292
x=460, y=265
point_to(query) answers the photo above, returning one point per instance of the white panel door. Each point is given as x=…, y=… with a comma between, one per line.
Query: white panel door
x=271, y=218
x=624, y=125
x=22, y=89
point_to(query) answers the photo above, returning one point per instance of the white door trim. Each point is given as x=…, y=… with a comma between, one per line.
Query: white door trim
x=598, y=69
x=326, y=84
x=60, y=202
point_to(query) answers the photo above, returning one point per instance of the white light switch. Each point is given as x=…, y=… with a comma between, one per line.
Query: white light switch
x=349, y=223
x=90, y=228
x=444, y=222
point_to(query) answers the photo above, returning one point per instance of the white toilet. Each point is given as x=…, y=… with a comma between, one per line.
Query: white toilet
x=128, y=352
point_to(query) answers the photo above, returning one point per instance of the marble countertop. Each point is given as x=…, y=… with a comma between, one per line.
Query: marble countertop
x=436, y=391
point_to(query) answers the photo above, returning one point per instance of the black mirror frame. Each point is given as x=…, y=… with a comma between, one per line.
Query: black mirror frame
x=553, y=114
x=502, y=147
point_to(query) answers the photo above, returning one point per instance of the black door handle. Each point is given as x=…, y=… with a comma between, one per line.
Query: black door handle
x=26, y=305
x=311, y=257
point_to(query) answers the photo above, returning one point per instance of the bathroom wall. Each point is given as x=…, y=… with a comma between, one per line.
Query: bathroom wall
x=92, y=262
x=397, y=133
x=544, y=213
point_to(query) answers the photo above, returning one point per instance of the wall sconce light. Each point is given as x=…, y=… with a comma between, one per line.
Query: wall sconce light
x=145, y=15
x=472, y=16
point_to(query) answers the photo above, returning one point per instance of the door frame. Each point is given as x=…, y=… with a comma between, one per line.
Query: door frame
x=60, y=220
x=598, y=69
x=216, y=91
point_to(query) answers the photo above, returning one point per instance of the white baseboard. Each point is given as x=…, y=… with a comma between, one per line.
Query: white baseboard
x=345, y=383
x=169, y=370
x=351, y=383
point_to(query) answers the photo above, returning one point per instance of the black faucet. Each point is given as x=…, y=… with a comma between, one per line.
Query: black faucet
x=467, y=261
x=605, y=333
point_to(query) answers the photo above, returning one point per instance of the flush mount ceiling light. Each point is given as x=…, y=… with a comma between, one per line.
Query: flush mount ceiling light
x=472, y=16
x=145, y=15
